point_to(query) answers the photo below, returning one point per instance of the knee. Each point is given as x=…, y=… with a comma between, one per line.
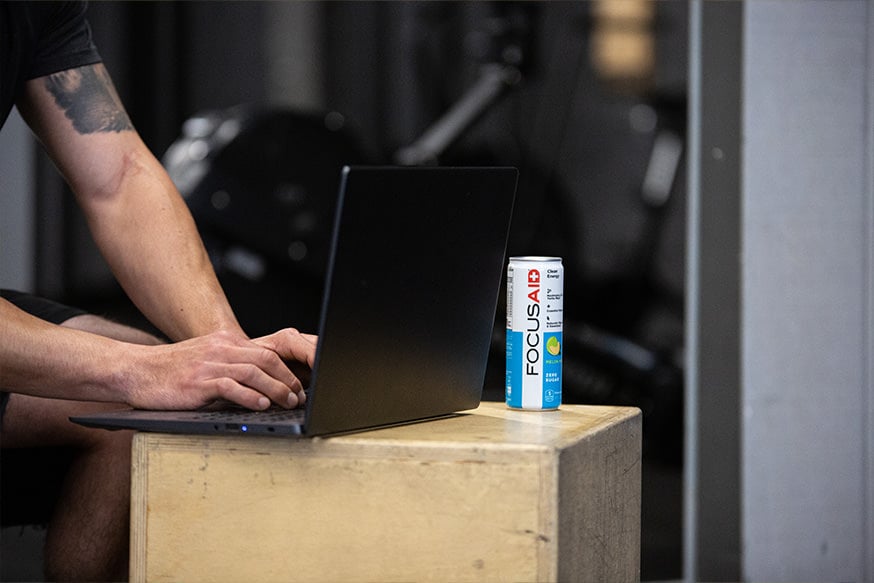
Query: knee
x=112, y=442
x=116, y=444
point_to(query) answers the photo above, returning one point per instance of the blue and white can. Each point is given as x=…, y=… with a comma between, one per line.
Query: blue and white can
x=535, y=317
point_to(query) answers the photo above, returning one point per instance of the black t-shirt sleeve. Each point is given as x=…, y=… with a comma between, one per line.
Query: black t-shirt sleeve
x=65, y=41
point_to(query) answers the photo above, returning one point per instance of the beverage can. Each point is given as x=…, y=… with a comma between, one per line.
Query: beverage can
x=535, y=317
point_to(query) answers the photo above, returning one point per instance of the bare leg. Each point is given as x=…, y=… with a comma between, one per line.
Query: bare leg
x=87, y=539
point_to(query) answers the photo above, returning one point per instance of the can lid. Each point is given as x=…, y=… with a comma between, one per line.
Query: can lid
x=535, y=258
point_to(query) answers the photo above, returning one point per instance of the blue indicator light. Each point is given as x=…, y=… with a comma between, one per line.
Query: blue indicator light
x=244, y=428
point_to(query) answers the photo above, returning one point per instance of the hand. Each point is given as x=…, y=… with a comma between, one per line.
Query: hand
x=291, y=345
x=221, y=366
x=298, y=350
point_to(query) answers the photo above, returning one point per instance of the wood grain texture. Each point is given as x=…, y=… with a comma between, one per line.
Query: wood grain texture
x=489, y=495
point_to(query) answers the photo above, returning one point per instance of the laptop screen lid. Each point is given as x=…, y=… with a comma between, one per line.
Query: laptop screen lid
x=410, y=296
x=415, y=268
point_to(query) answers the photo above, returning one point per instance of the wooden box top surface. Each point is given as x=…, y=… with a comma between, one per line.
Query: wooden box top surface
x=492, y=427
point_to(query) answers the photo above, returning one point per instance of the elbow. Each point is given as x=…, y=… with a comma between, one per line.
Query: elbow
x=128, y=172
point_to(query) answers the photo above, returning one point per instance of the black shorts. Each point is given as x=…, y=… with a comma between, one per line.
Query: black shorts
x=44, y=309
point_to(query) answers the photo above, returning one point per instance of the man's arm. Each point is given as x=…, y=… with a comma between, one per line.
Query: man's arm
x=45, y=360
x=147, y=235
x=138, y=219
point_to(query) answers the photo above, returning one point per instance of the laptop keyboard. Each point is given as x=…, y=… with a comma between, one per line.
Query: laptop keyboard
x=247, y=416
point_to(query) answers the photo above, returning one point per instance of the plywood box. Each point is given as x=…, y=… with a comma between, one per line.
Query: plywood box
x=489, y=495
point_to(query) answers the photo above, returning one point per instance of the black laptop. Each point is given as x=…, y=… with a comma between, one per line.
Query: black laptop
x=415, y=268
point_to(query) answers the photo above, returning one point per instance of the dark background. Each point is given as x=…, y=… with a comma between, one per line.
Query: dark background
x=581, y=132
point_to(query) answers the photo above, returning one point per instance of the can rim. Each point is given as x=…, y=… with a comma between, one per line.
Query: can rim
x=535, y=258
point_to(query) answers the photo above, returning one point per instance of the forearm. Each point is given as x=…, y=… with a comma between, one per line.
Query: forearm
x=137, y=217
x=147, y=235
x=46, y=360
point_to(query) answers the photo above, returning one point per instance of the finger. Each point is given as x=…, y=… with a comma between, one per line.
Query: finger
x=230, y=390
x=269, y=362
x=291, y=345
x=272, y=363
x=282, y=392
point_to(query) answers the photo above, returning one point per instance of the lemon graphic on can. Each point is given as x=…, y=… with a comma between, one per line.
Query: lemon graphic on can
x=553, y=346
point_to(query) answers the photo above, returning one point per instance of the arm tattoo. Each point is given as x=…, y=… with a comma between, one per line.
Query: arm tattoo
x=89, y=100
